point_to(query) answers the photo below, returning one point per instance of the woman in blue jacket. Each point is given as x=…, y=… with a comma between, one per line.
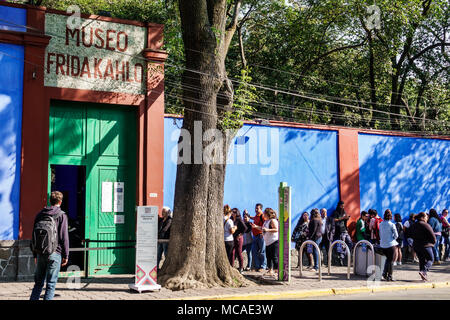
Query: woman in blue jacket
x=388, y=242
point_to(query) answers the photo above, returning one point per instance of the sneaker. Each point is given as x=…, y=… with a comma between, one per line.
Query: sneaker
x=395, y=263
x=423, y=276
x=400, y=263
x=389, y=278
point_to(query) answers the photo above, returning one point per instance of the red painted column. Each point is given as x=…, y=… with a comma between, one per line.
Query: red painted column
x=153, y=158
x=35, y=118
x=349, y=175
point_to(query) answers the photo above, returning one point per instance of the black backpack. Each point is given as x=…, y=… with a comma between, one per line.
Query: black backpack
x=45, y=233
x=401, y=234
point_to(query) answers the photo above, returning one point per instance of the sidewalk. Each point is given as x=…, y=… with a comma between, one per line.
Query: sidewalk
x=116, y=287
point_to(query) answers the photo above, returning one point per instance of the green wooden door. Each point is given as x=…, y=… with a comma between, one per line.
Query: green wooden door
x=103, y=139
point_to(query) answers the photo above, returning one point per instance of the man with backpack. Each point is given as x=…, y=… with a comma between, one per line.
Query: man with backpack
x=50, y=246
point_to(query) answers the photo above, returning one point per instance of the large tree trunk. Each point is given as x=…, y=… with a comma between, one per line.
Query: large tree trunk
x=196, y=256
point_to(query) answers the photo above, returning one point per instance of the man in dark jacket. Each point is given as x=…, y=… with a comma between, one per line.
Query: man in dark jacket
x=340, y=219
x=423, y=243
x=48, y=265
x=164, y=224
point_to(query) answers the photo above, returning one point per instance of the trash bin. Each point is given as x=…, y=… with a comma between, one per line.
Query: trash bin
x=364, y=259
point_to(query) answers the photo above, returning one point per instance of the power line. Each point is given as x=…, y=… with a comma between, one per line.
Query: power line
x=267, y=88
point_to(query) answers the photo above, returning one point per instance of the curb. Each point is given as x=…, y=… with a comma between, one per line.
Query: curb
x=319, y=292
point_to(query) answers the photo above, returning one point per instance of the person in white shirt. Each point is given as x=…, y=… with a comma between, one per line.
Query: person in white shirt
x=325, y=244
x=270, y=234
x=388, y=242
x=229, y=229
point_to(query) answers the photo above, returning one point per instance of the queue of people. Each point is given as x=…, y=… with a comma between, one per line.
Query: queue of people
x=259, y=239
x=424, y=236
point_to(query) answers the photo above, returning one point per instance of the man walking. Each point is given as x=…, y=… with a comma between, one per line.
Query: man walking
x=423, y=243
x=50, y=246
x=258, y=244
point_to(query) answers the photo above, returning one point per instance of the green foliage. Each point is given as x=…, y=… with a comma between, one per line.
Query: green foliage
x=244, y=96
x=319, y=49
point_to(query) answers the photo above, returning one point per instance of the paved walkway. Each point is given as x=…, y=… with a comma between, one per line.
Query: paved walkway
x=116, y=287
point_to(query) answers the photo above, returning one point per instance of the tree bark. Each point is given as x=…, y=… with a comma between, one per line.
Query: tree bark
x=196, y=256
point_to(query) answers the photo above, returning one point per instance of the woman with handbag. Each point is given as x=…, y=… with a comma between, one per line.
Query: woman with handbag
x=300, y=235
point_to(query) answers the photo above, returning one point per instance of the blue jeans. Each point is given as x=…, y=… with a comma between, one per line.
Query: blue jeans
x=426, y=257
x=436, y=248
x=248, y=249
x=162, y=247
x=316, y=254
x=259, y=253
x=47, y=269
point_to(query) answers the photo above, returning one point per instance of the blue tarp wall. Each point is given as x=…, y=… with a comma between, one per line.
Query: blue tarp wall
x=406, y=175
x=306, y=159
x=11, y=92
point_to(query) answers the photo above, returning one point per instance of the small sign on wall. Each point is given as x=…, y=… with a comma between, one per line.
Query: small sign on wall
x=118, y=196
x=119, y=219
x=107, y=196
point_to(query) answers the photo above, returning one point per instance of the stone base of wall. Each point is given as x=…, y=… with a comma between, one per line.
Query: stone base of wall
x=16, y=260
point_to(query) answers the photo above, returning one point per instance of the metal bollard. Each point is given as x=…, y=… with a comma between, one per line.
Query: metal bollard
x=354, y=253
x=300, y=256
x=330, y=251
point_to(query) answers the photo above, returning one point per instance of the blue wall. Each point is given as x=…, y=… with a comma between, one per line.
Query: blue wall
x=11, y=91
x=307, y=162
x=403, y=174
x=13, y=18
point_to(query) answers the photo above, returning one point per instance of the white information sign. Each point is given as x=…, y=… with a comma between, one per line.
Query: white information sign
x=146, y=249
x=118, y=196
x=107, y=196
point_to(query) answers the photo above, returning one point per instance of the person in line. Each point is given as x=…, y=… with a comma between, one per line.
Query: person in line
x=238, y=236
x=48, y=263
x=248, y=239
x=407, y=234
x=423, y=242
x=374, y=226
x=315, y=234
x=445, y=234
x=435, y=223
x=361, y=224
x=258, y=245
x=340, y=218
x=270, y=232
x=164, y=224
x=229, y=229
x=398, y=249
x=300, y=235
x=325, y=243
x=388, y=242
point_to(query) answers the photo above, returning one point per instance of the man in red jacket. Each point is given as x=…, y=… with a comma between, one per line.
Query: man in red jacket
x=258, y=245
